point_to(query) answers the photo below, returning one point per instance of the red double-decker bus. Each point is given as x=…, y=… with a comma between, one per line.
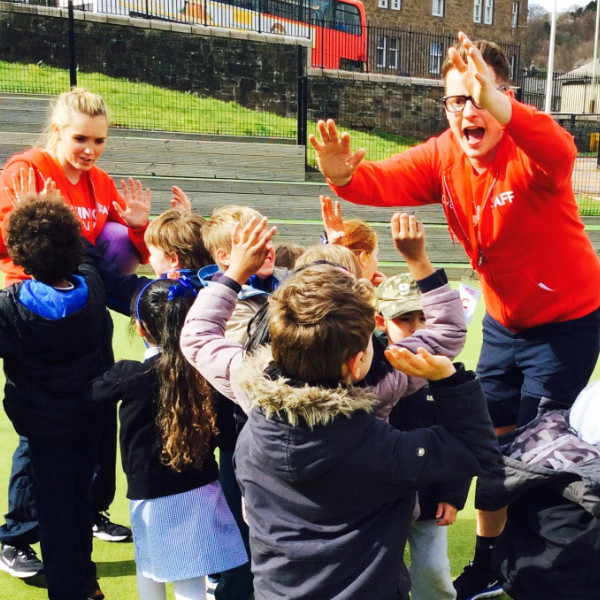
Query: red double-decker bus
x=337, y=28
x=339, y=35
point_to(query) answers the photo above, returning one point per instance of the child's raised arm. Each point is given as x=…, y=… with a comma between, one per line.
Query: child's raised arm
x=249, y=249
x=180, y=199
x=203, y=340
x=332, y=220
x=409, y=238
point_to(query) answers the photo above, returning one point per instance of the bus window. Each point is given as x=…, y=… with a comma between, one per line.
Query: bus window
x=347, y=18
x=295, y=10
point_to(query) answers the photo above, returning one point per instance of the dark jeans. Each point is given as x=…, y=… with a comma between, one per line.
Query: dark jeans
x=541, y=368
x=62, y=473
x=235, y=584
x=21, y=527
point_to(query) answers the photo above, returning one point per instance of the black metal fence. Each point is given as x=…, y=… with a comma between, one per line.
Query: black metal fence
x=154, y=79
x=574, y=92
x=395, y=51
x=341, y=37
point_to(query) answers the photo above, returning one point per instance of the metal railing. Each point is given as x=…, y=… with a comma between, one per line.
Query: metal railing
x=341, y=40
x=395, y=51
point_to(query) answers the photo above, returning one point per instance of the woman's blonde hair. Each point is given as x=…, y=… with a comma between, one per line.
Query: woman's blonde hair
x=78, y=100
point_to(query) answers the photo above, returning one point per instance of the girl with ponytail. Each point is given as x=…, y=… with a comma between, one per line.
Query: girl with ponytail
x=182, y=527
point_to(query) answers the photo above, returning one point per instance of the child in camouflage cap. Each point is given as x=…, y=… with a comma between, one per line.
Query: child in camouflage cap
x=399, y=307
x=401, y=315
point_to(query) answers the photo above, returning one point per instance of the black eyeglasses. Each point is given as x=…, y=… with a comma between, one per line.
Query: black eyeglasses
x=456, y=104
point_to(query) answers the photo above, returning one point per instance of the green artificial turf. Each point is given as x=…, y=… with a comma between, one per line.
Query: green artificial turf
x=115, y=561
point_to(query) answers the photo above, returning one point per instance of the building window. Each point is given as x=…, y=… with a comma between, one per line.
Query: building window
x=513, y=66
x=393, y=53
x=435, y=59
x=515, y=15
x=488, y=15
x=382, y=3
x=477, y=11
x=381, y=51
x=388, y=49
x=437, y=8
x=396, y=4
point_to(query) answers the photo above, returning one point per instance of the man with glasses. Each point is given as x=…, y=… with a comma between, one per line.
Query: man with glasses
x=502, y=172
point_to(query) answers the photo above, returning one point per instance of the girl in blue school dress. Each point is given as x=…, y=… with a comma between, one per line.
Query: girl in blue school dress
x=182, y=527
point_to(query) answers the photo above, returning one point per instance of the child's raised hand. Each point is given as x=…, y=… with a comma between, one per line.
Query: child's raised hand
x=249, y=249
x=378, y=278
x=422, y=364
x=180, y=199
x=332, y=220
x=334, y=155
x=409, y=236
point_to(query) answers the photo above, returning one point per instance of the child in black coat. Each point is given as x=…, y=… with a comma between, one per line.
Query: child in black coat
x=51, y=332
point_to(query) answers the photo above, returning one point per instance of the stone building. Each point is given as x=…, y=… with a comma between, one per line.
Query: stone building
x=501, y=21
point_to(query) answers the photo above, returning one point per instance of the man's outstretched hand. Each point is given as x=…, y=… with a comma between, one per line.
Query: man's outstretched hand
x=334, y=155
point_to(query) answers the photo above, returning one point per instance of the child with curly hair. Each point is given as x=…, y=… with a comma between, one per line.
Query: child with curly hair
x=51, y=333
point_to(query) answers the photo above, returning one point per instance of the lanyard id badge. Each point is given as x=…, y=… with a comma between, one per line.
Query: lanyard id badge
x=469, y=297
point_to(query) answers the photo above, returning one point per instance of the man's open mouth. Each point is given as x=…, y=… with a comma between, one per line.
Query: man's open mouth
x=474, y=134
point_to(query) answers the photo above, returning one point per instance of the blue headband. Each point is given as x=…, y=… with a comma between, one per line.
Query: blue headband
x=178, y=289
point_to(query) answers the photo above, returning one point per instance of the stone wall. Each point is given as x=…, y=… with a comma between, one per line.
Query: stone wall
x=386, y=104
x=201, y=60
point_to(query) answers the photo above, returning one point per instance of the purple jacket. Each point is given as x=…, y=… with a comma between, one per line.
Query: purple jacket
x=218, y=359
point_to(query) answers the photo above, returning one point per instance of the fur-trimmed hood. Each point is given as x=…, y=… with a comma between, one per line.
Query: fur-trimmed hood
x=294, y=403
x=300, y=431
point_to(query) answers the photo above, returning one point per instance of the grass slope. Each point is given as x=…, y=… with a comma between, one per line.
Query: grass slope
x=144, y=106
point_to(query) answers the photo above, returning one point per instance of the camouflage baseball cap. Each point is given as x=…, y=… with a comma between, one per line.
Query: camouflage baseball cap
x=398, y=295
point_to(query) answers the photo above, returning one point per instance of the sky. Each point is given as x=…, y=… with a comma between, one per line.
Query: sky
x=561, y=5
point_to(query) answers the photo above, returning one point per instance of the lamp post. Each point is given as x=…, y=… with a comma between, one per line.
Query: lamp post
x=550, y=80
x=593, y=98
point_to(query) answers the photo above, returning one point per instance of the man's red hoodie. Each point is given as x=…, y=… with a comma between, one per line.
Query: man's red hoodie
x=535, y=262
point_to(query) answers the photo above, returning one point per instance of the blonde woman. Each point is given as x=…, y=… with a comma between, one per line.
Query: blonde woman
x=74, y=140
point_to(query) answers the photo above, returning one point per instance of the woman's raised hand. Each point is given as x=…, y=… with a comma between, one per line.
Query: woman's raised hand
x=334, y=154
x=137, y=211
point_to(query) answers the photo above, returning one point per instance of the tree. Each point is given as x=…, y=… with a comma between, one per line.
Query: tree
x=574, y=36
x=536, y=11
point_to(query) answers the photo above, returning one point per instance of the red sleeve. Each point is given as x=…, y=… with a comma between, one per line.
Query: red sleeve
x=410, y=178
x=5, y=203
x=548, y=146
x=136, y=234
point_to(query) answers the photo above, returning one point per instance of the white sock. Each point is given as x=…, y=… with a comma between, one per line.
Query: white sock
x=148, y=589
x=190, y=589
